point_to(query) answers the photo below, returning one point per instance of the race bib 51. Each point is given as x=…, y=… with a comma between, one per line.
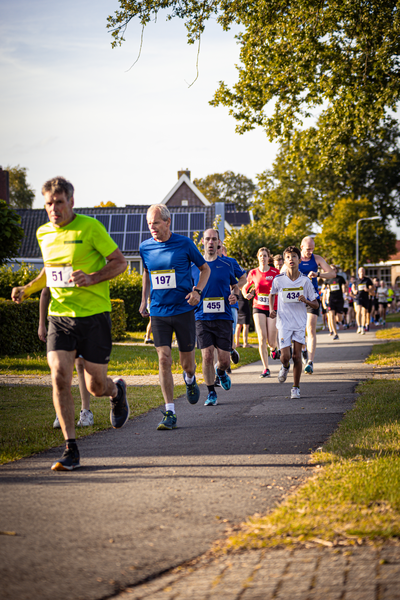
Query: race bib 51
x=57, y=276
x=163, y=280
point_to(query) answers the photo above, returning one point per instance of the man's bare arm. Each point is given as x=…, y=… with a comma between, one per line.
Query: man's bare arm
x=19, y=294
x=145, y=293
x=327, y=272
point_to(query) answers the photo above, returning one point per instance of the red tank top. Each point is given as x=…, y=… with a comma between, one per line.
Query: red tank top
x=262, y=283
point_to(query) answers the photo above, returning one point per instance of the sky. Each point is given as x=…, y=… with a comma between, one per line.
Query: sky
x=70, y=105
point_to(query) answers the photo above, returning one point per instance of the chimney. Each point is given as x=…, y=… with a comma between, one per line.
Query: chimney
x=5, y=186
x=187, y=173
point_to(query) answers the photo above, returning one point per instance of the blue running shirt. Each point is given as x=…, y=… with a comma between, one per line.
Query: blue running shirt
x=237, y=270
x=214, y=299
x=305, y=266
x=168, y=264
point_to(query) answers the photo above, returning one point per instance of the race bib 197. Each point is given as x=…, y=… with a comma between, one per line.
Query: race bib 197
x=213, y=305
x=292, y=294
x=263, y=299
x=57, y=276
x=163, y=280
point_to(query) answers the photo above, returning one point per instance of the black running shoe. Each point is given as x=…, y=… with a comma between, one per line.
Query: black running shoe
x=192, y=391
x=68, y=461
x=275, y=354
x=168, y=421
x=235, y=356
x=119, y=413
x=217, y=382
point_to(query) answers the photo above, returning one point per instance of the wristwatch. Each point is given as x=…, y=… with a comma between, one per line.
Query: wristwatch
x=198, y=291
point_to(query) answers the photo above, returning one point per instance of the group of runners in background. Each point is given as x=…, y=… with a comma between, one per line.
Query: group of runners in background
x=199, y=297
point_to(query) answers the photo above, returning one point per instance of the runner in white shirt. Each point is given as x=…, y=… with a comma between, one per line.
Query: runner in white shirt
x=383, y=293
x=295, y=292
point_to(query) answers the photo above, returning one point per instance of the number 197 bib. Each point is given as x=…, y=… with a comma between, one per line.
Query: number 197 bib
x=292, y=294
x=163, y=280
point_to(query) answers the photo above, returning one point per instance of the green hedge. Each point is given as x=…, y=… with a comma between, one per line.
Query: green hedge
x=10, y=279
x=128, y=287
x=19, y=326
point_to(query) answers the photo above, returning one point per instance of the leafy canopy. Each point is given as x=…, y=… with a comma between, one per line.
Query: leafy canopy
x=338, y=58
x=21, y=193
x=11, y=233
x=227, y=187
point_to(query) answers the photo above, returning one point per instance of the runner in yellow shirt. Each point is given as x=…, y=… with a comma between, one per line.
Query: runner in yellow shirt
x=80, y=257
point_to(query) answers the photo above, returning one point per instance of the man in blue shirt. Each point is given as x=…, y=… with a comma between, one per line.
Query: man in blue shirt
x=167, y=259
x=214, y=316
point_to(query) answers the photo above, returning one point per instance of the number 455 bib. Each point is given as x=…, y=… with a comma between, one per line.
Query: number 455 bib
x=292, y=294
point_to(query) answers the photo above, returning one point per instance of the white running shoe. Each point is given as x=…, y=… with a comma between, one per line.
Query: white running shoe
x=295, y=393
x=85, y=419
x=362, y=331
x=283, y=373
x=56, y=424
x=359, y=330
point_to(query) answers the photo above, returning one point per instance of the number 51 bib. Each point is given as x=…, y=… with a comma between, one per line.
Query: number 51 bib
x=57, y=276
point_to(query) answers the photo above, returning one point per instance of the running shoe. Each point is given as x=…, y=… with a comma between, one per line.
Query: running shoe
x=367, y=328
x=265, y=373
x=309, y=368
x=192, y=390
x=120, y=412
x=358, y=329
x=331, y=333
x=85, y=418
x=235, y=356
x=211, y=399
x=283, y=373
x=304, y=357
x=335, y=337
x=225, y=380
x=168, y=421
x=56, y=424
x=362, y=331
x=68, y=461
x=276, y=354
x=295, y=393
x=149, y=341
x=217, y=382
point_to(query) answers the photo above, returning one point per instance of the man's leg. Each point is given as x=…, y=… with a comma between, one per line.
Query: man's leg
x=84, y=392
x=297, y=366
x=99, y=385
x=311, y=335
x=61, y=365
x=165, y=374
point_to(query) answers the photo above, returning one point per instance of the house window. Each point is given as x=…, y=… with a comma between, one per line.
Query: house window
x=185, y=203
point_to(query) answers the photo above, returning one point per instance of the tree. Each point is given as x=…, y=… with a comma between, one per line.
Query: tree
x=243, y=243
x=11, y=233
x=336, y=57
x=21, y=193
x=297, y=185
x=227, y=187
x=108, y=204
x=337, y=241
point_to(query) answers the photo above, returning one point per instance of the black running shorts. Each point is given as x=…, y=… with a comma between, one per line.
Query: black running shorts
x=89, y=337
x=217, y=333
x=314, y=311
x=337, y=306
x=260, y=311
x=184, y=327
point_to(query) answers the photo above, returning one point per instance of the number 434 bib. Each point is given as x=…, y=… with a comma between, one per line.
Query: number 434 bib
x=292, y=294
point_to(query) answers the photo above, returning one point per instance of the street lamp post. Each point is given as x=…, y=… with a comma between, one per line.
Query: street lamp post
x=359, y=220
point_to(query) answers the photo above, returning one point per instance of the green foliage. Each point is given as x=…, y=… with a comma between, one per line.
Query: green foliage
x=128, y=287
x=337, y=241
x=298, y=58
x=227, y=187
x=108, y=204
x=298, y=184
x=21, y=193
x=19, y=327
x=118, y=319
x=11, y=233
x=10, y=279
x=244, y=243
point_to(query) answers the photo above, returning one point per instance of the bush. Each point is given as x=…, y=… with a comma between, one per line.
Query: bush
x=118, y=319
x=19, y=326
x=10, y=279
x=128, y=287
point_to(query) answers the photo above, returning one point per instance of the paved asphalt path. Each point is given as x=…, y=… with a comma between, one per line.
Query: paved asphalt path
x=145, y=501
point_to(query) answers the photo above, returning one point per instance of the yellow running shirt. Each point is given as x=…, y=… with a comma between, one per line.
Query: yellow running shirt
x=83, y=245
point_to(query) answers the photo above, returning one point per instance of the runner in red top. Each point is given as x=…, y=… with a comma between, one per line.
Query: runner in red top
x=258, y=286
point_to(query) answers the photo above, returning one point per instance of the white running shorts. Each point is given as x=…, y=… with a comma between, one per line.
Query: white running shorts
x=287, y=336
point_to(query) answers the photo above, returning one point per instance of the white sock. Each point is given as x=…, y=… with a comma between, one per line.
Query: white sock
x=170, y=406
x=189, y=380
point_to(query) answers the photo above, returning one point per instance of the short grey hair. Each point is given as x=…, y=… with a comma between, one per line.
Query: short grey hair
x=163, y=210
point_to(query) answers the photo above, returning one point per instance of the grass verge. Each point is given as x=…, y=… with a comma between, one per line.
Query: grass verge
x=386, y=355
x=125, y=360
x=27, y=415
x=355, y=497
